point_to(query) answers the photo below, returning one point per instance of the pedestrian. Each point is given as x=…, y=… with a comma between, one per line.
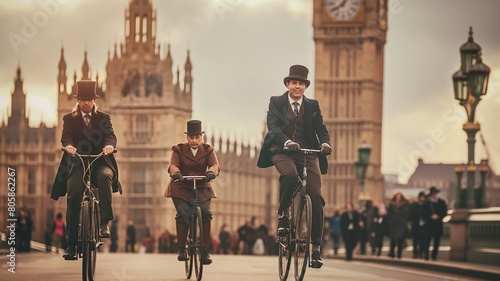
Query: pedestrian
x=243, y=232
x=58, y=231
x=380, y=227
x=335, y=231
x=194, y=158
x=130, y=239
x=438, y=210
x=366, y=220
x=24, y=227
x=295, y=121
x=164, y=242
x=113, y=247
x=148, y=241
x=398, y=216
x=349, y=223
x=80, y=128
x=419, y=217
x=225, y=239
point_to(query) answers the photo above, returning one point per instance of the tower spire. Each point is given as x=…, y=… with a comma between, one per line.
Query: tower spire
x=85, y=67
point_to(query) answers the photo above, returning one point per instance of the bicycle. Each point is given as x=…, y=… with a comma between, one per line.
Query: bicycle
x=89, y=239
x=194, y=242
x=298, y=239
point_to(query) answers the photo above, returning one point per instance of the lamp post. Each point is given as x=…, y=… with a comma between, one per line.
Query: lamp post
x=469, y=84
x=364, y=151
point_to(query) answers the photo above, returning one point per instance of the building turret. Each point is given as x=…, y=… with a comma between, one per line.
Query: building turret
x=61, y=77
x=85, y=67
x=188, y=79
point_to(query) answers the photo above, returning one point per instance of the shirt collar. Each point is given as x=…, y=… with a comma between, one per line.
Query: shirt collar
x=83, y=113
x=194, y=151
x=291, y=101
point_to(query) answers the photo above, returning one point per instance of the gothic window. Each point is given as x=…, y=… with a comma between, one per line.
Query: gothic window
x=137, y=28
x=153, y=85
x=139, y=180
x=142, y=126
x=31, y=181
x=144, y=28
x=50, y=179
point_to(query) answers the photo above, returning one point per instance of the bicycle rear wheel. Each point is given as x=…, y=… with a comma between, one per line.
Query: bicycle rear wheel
x=189, y=248
x=93, y=240
x=303, y=226
x=198, y=253
x=84, y=213
x=285, y=256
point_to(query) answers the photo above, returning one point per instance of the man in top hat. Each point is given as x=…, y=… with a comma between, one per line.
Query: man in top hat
x=420, y=215
x=438, y=211
x=295, y=121
x=192, y=158
x=86, y=130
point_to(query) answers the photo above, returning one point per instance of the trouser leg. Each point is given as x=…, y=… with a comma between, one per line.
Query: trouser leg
x=288, y=179
x=75, y=187
x=103, y=178
x=206, y=234
x=182, y=230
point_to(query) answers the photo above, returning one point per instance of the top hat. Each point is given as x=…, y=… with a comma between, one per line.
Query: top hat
x=86, y=90
x=298, y=72
x=433, y=190
x=194, y=127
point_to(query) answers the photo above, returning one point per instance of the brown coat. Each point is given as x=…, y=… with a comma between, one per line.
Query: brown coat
x=184, y=161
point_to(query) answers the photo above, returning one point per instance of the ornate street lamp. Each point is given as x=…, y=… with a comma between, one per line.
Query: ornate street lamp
x=469, y=84
x=364, y=151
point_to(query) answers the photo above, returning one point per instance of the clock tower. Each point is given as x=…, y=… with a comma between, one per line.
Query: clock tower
x=349, y=73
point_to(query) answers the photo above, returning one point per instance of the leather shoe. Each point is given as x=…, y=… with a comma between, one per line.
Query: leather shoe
x=283, y=223
x=205, y=258
x=182, y=255
x=316, y=260
x=105, y=231
x=70, y=253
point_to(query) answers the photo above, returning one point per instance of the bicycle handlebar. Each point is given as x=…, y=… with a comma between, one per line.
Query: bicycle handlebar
x=89, y=155
x=306, y=150
x=192, y=178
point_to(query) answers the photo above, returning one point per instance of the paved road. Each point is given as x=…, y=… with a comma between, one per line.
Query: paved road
x=148, y=267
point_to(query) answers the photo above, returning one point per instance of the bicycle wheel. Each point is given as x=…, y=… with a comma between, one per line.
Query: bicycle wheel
x=191, y=237
x=303, y=226
x=198, y=255
x=93, y=240
x=285, y=249
x=84, y=213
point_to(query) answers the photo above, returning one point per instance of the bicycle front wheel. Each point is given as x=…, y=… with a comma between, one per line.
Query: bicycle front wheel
x=189, y=247
x=93, y=240
x=303, y=227
x=85, y=235
x=198, y=256
x=285, y=256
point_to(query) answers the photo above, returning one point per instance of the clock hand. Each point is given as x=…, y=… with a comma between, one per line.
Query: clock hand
x=342, y=4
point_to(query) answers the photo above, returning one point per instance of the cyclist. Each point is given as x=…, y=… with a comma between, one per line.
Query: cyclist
x=86, y=131
x=295, y=122
x=193, y=158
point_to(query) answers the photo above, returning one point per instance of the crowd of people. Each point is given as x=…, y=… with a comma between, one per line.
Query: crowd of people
x=398, y=220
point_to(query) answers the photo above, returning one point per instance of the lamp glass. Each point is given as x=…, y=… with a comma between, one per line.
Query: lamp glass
x=460, y=85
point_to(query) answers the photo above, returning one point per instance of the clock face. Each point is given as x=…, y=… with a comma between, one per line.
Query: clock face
x=343, y=9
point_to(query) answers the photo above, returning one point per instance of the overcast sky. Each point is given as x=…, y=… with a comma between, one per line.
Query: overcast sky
x=242, y=49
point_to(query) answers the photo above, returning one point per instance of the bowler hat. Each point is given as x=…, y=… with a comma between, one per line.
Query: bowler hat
x=86, y=90
x=194, y=127
x=298, y=72
x=433, y=190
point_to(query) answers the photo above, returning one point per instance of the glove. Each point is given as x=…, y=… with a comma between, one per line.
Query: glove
x=326, y=149
x=210, y=176
x=177, y=176
x=293, y=146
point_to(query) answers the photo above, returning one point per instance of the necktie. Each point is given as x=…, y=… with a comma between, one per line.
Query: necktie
x=86, y=118
x=295, y=108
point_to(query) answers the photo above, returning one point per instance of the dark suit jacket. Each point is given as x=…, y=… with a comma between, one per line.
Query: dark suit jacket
x=316, y=132
x=441, y=209
x=87, y=140
x=184, y=161
x=345, y=221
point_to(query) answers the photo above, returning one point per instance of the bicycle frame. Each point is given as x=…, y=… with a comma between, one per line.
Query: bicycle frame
x=195, y=240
